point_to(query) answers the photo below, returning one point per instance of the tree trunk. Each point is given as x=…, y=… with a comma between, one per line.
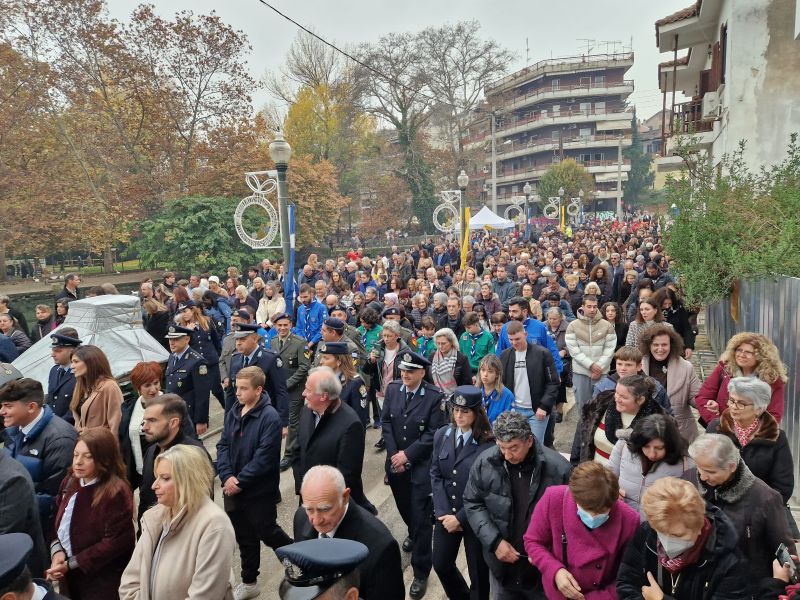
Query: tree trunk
x=108, y=262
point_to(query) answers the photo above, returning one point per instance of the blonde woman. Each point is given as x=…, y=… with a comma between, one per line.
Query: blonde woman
x=746, y=354
x=270, y=305
x=185, y=528
x=470, y=285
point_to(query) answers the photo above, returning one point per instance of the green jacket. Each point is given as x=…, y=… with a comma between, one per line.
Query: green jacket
x=484, y=344
x=371, y=337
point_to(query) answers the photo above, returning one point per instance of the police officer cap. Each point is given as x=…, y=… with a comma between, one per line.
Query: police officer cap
x=281, y=316
x=243, y=314
x=334, y=348
x=8, y=373
x=335, y=324
x=313, y=566
x=466, y=396
x=64, y=341
x=184, y=305
x=411, y=360
x=339, y=308
x=14, y=551
x=391, y=311
x=176, y=331
x=242, y=330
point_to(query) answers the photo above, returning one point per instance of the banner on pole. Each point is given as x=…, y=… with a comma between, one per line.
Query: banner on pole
x=289, y=291
x=465, y=237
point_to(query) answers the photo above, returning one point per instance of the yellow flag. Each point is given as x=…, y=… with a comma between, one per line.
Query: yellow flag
x=465, y=238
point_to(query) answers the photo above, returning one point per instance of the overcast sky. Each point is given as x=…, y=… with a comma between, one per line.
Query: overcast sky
x=552, y=29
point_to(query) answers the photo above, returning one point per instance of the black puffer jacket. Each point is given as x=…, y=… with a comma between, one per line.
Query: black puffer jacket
x=718, y=575
x=488, y=498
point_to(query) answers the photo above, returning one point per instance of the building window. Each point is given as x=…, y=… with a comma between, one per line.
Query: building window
x=556, y=160
x=555, y=136
x=586, y=81
x=600, y=80
x=599, y=156
x=555, y=85
x=556, y=110
x=585, y=133
x=586, y=107
x=599, y=108
x=543, y=114
x=585, y=158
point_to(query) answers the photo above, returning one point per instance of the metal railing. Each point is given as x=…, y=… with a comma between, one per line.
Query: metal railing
x=587, y=60
x=516, y=147
x=770, y=306
x=578, y=87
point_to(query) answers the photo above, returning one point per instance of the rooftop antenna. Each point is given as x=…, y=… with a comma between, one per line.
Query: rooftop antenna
x=527, y=53
x=589, y=44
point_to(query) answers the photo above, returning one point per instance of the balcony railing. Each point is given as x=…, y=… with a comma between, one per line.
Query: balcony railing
x=508, y=172
x=586, y=139
x=688, y=118
x=579, y=87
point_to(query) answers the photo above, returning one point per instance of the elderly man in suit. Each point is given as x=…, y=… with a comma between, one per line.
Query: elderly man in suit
x=330, y=433
x=327, y=512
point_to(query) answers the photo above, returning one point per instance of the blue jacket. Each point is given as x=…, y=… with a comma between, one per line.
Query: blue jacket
x=59, y=393
x=8, y=351
x=250, y=450
x=537, y=334
x=46, y=452
x=309, y=321
x=495, y=403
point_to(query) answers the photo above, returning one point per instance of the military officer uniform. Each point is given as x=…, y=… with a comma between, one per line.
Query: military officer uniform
x=356, y=350
x=454, y=451
x=272, y=365
x=296, y=359
x=409, y=421
x=188, y=376
x=61, y=380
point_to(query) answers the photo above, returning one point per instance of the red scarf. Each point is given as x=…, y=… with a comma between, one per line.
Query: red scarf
x=745, y=435
x=691, y=556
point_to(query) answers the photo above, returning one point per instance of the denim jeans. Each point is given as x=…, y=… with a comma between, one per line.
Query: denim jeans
x=537, y=427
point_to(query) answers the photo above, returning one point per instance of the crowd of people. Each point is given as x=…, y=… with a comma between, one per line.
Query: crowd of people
x=674, y=487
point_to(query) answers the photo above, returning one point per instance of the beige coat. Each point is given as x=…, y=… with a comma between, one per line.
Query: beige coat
x=194, y=562
x=103, y=408
x=682, y=386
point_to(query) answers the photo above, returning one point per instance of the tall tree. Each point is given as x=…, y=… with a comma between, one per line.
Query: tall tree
x=641, y=176
x=459, y=64
x=569, y=175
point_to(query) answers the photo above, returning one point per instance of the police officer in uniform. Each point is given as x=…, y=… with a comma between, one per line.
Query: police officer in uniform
x=187, y=376
x=296, y=359
x=250, y=353
x=313, y=567
x=61, y=380
x=455, y=448
x=412, y=412
x=351, y=333
x=333, y=331
x=16, y=582
x=354, y=389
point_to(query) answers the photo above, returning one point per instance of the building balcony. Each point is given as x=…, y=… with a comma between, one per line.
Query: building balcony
x=574, y=142
x=565, y=92
x=531, y=174
x=690, y=122
x=565, y=117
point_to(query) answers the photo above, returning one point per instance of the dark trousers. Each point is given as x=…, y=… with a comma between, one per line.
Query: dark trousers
x=514, y=592
x=416, y=508
x=253, y=523
x=372, y=400
x=292, y=445
x=216, y=384
x=445, y=551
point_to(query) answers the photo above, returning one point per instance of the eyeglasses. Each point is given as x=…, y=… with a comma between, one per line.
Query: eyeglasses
x=738, y=403
x=743, y=352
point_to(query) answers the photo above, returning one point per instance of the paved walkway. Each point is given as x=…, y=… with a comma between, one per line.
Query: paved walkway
x=29, y=286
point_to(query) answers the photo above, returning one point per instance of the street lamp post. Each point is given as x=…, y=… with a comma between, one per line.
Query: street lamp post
x=527, y=189
x=280, y=151
x=463, y=182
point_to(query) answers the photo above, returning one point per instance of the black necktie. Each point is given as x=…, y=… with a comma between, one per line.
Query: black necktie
x=409, y=396
x=325, y=536
x=460, y=445
x=280, y=345
x=61, y=373
x=246, y=361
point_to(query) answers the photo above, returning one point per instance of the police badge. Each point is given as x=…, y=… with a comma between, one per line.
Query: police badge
x=279, y=362
x=203, y=370
x=460, y=400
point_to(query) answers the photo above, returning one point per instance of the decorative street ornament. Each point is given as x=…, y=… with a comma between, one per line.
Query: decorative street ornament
x=574, y=207
x=449, y=210
x=260, y=187
x=517, y=209
x=551, y=210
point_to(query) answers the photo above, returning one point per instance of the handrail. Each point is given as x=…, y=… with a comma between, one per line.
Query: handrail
x=569, y=88
x=587, y=164
x=555, y=142
x=569, y=60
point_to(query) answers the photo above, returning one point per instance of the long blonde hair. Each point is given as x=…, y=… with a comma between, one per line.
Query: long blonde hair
x=769, y=368
x=192, y=475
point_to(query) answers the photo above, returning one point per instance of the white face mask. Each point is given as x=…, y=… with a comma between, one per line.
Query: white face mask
x=674, y=546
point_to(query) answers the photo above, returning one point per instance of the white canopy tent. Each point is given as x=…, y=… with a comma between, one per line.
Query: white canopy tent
x=113, y=323
x=485, y=218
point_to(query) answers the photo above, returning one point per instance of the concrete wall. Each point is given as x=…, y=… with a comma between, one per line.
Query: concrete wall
x=762, y=89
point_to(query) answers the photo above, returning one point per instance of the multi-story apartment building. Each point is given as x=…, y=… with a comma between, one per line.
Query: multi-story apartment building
x=559, y=108
x=737, y=63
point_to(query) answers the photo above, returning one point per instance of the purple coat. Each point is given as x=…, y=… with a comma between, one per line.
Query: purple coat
x=594, y=556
